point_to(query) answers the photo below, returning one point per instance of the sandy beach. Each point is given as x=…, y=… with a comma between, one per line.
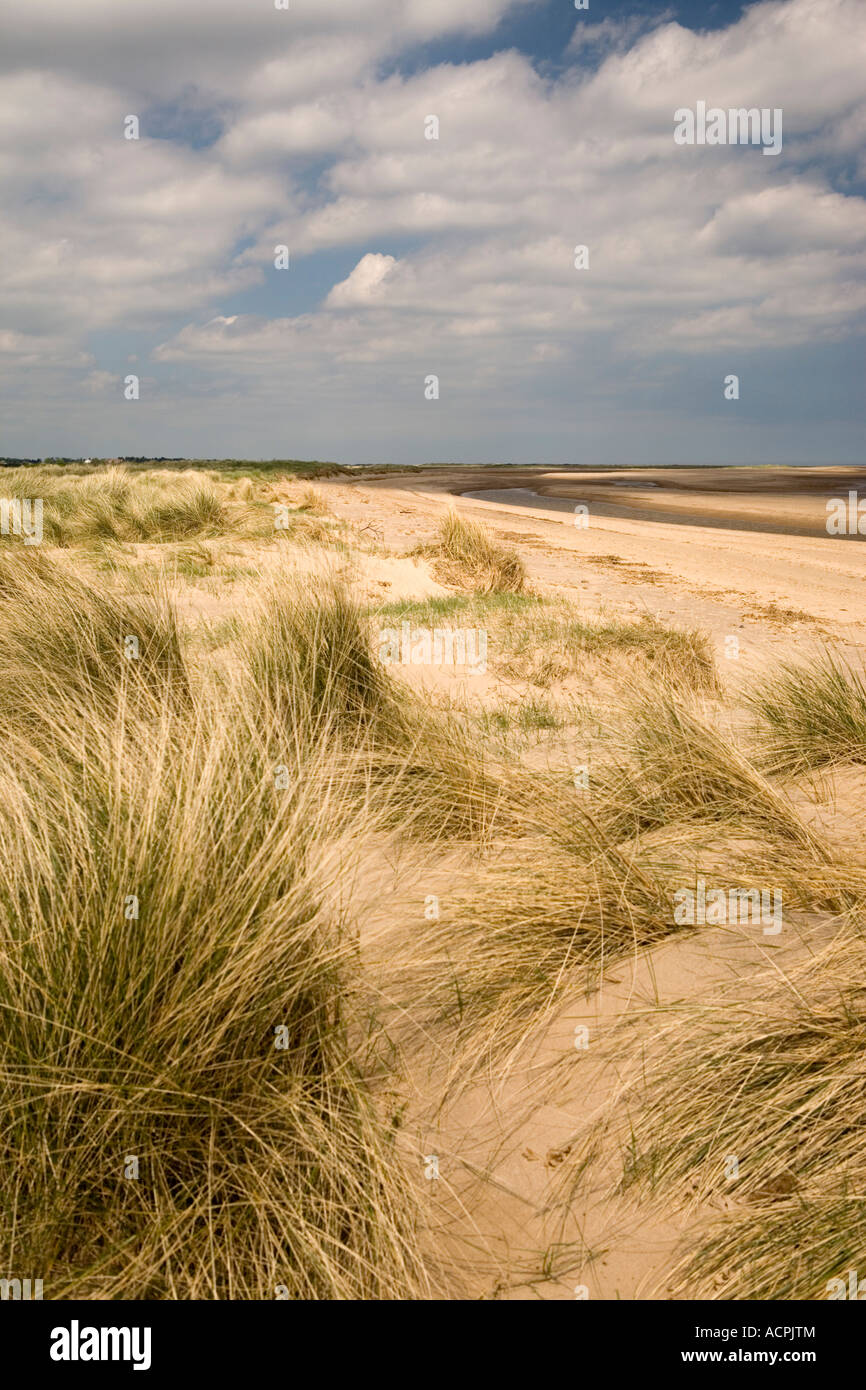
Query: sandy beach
x=500, y=744
x=743, y=555
x=742, y=549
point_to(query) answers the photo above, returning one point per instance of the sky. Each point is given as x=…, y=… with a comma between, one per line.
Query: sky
x=412, y=258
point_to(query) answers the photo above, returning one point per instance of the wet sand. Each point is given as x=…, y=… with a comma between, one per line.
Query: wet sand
x=780, y=501
x=716, y=547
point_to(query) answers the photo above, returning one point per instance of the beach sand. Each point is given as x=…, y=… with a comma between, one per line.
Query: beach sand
x=735, y=552
x=732, y=550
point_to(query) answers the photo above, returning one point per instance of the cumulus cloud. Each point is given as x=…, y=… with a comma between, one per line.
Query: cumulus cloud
x=365, y=285
x=609, y=35
x=462, y=248
x=218, y=43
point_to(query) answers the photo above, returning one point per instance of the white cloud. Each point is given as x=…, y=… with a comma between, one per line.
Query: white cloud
x=609, y=34
x=218, y=43
x=100, y=383
x=365, y=285
x=691, y=249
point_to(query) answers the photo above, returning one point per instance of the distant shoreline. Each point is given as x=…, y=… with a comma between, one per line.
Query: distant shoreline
x=785, y=501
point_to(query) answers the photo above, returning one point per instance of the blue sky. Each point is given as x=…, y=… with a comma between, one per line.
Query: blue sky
x=413, y=257
x=544, y=30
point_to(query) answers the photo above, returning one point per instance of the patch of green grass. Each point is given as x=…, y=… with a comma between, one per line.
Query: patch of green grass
x=527, y=716
x=450, y=605
x=537, y=714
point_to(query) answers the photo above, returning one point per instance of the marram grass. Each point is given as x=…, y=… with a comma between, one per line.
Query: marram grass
x=181, y=1111
x=198, y=1059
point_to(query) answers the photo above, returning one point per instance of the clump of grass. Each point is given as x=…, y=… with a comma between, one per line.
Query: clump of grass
x=683, y=768
x=192, y=510
x=311, y=659
x=675, y=655
x=792, y=1111
x=556, y=645
x=312, y=663
x=468, y=558
x=313, y=502
x=801, y=1248
x=432, y=779
x=66, y=645
x=166, y=918
x=813, y=715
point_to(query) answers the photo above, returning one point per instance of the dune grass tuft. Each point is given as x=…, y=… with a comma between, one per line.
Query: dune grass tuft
x=468, y=558
x=182, y=1114
x=312, y=662
x=776, y=1080
x=311, y=657
x=684, y=768
x=67, y=646
x=813, y=715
